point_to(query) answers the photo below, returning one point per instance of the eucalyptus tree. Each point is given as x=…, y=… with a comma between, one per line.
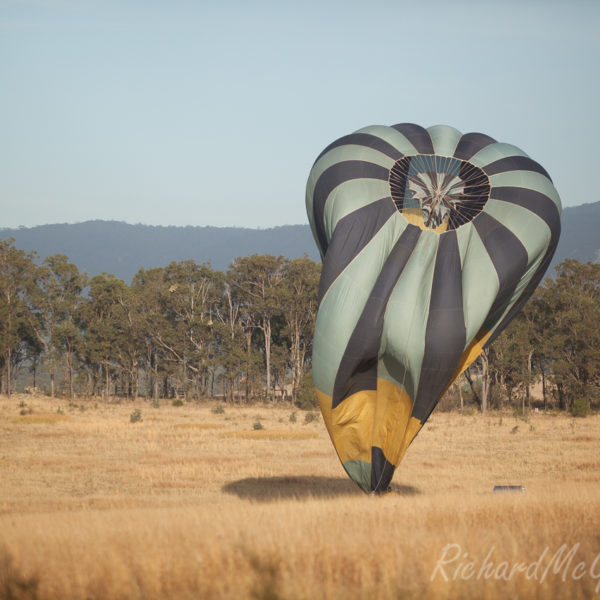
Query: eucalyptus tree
x=235, y=325
x=104, y=322
x=17, y=269
x=258, y=279
x=191, y=293
x=299, y=303
x=149, y=287
x=572, y=302
x=55, y=297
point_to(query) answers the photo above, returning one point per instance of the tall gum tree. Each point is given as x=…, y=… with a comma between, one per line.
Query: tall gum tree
x=299, y=303
x=54, y=299
x=17, y=270
x=258, y=277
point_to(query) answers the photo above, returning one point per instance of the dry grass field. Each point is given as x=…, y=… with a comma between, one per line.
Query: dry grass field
x=188, y=503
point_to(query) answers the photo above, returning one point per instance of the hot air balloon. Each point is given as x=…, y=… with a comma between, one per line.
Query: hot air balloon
x=431, y=242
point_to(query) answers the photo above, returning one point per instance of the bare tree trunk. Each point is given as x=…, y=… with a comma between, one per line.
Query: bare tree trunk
x=106, y=382
x=8, y=373
x=68, y=371
x=544, y=389
x=136, y=383
x=485, y=380
x=562, y=401
x=248, y=349
x=267, y=332
x=155, y=379
x=296, y=362
x=527, y=388
x=472, y=386
x=294, y=352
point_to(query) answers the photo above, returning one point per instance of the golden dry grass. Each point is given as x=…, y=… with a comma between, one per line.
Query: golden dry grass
x=191, y=504
x=39, y=418
x=280, y=435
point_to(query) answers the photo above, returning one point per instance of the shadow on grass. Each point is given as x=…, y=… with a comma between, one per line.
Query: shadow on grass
x=268, y=489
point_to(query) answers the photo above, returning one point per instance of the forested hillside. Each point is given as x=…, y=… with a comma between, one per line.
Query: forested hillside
x=121, y=249
x=580, y=237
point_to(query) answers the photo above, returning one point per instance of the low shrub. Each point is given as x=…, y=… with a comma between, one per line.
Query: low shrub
x=307, y=399
x=135, y=416
x=310, y=417
x=580, y=408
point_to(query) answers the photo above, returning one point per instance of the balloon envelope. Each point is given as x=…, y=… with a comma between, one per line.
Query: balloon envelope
x=431, y=242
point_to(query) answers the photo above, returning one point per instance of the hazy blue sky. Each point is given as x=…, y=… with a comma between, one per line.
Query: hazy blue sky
x=211, y=113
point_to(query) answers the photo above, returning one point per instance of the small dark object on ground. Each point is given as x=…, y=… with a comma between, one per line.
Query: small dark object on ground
x=508, y=488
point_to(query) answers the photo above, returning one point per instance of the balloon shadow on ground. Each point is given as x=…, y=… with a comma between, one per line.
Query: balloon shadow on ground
x=270, y=489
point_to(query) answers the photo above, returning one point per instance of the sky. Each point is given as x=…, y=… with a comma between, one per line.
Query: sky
x=212, y=113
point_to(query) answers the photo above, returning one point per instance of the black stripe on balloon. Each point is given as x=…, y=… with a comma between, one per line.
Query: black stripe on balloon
x=418, y=136
x=535, y=202
x=351, y=235
x=330, y=179
x=545, y=208
x=514, y=163
x=364, y=139
x=525, y=294
x=382, y=470
x=508, y=256
x=358, y=366
x=471, y=143
x=445, y=335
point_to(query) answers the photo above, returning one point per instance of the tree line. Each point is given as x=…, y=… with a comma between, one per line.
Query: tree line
x=186, y=330
x=183, y=330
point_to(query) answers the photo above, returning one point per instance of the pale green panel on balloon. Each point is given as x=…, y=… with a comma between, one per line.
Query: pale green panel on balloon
x=345, y=153
x=495, y=152
x=479, y=280
x=526, y=179
x=391, y=136
x=403, y=339
x=444, y=138
x=463, y=237
x=360, y=472
x=343, y=304
x=350, y=196
x=532, y=231
x=334, y=156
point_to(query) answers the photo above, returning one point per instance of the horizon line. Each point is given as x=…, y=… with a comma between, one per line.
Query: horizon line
x=257, y=228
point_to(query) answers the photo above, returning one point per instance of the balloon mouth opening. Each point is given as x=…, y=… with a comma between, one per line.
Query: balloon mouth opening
x=445, y=192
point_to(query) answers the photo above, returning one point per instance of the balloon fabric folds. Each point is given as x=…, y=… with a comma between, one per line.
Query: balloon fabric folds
x=431, y=242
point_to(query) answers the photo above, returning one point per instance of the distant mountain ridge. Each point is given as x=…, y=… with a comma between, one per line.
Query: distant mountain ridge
x=580, y=236
x=122, y=249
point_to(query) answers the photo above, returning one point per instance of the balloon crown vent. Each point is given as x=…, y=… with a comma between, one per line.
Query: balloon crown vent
x=438, y=192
